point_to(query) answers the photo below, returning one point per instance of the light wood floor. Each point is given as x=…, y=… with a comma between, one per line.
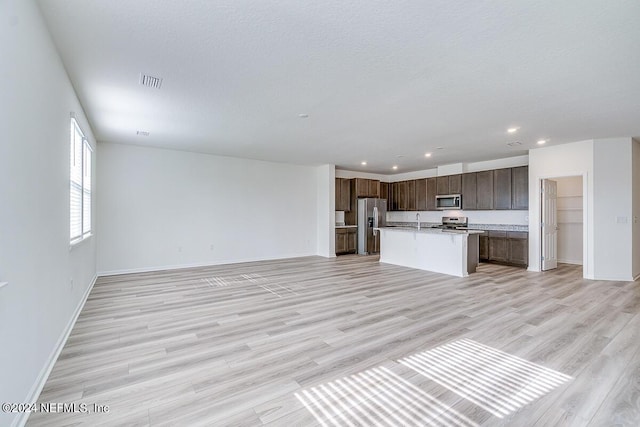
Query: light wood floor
x=349, y=341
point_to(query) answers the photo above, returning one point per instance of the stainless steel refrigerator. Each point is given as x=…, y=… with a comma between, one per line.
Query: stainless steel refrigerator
x=372, y=213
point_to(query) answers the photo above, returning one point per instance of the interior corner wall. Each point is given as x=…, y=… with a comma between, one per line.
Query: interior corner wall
x=39, y=305
x=612, y=215
x=163, y=209
x=558, y=161
x=326, y=211
x=636, y=208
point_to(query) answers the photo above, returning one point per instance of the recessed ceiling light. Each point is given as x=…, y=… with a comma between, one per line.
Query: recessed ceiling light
x=542, y=141
x=303, y=115
x=395, y=167
x=427, y=155
x=363, y=163
x=142, y=133
x=512, y=130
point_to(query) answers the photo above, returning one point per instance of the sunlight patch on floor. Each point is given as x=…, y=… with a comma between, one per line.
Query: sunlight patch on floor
x=249, y=280
x=496, y=381
x=377, y=397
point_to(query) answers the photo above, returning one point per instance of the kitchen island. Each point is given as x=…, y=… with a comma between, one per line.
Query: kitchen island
x=453, y=252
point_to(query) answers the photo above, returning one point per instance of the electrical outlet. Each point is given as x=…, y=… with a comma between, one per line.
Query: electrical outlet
x=179, y=248
x=71, y=282
x=211, y=247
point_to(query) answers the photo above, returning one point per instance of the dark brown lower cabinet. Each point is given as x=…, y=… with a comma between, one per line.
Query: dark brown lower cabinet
x=346, y=240
x=484, y=247
x=505, y=247
x=518, y=247
x=498, y=246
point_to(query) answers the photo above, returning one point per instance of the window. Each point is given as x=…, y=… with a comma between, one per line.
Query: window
x=79, y=184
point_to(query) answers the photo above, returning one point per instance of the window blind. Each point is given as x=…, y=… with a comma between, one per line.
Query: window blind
x=79, y=184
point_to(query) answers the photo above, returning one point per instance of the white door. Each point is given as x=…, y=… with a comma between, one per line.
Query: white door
x=549, y=224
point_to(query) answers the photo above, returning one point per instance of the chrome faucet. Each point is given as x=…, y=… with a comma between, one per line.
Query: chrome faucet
x=418, y=219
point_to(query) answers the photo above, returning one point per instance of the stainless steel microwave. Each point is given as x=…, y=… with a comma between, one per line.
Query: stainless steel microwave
x=450, y=201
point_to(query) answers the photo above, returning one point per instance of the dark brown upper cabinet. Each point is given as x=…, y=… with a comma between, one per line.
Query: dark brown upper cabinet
x=374, y=188
x=367, y=187
x=421, y=194
x=484, y=190
x=442, y=185
x=432, y=186
x=469, y=191
x=394, y=188
x=449, y=184
x=455, y=184
x=502, y=189
x=362, y=187
x=384, y=194
x=520, y=188
x=346, y=195
x=343, y=194
x=411, y=195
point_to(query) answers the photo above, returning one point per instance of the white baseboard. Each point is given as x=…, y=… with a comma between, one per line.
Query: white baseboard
x=206, y=264
x=570, y=261
x=37, y=387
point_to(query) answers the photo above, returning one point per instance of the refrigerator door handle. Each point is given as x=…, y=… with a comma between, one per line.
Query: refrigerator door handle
x=375, y=220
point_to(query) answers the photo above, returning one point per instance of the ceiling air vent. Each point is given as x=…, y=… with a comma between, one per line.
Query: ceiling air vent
x=150, y=81
x=142, y=133
x=514, y=144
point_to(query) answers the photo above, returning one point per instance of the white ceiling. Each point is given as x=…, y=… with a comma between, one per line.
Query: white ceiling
x=378, y=79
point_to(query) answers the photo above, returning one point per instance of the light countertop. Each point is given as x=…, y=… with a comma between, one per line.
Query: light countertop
x=429, y=230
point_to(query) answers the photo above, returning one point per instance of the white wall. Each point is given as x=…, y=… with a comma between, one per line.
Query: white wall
x=343, y=173
x=613, y=214
x=560, y=161
x=164, y=209
x=39, y=305
x=636, y=209
x=606, y=169
x=451, y=169
x=509, y=162
x=326, y=211
x=570, y=219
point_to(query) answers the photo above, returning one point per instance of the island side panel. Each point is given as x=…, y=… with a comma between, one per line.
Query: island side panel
x=473, y=252
x=432, y=251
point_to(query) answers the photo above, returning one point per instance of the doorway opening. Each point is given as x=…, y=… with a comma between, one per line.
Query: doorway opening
x=562, y=222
